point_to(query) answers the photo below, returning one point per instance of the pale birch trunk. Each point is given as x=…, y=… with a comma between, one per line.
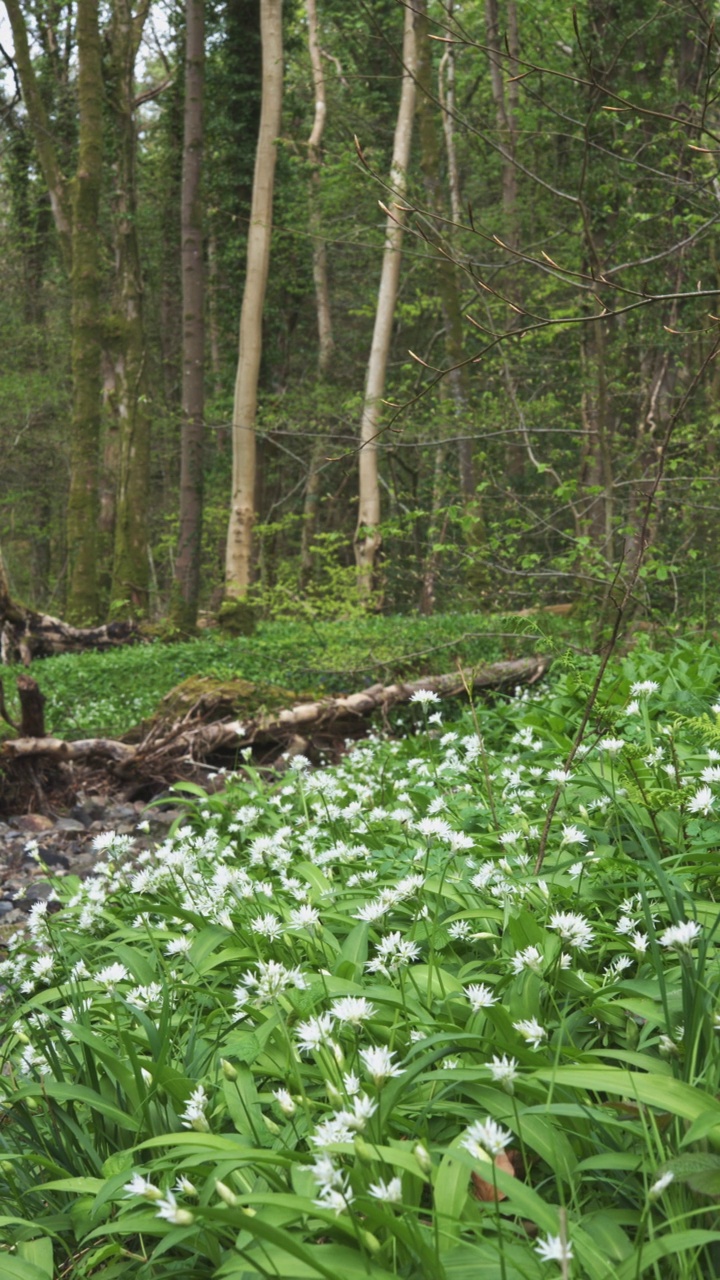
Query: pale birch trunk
x=326, y=341
x=446, y=98
x=320, y=274
x=238, y=563
x=367, y=536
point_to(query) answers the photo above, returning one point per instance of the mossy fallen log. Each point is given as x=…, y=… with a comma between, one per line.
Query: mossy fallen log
x=176, y=747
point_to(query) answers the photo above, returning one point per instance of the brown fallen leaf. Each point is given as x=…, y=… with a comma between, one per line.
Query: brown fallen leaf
x=484, y=1190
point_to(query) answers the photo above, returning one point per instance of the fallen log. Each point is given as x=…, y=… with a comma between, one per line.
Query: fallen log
x=26, y=634
x=172, y=751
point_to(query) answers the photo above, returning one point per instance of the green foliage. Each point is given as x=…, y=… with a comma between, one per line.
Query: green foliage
x=107, y=693
x=292, y=1039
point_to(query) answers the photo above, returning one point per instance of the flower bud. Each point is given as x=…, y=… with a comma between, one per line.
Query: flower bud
x=363, y=1150
x=228, y=1070
x=371, y=1242
x=226, y=1194
x=422, y=1155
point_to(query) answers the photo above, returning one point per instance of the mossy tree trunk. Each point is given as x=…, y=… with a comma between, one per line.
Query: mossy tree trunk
x=82, y=514
x=129, y=590
x=186, y=586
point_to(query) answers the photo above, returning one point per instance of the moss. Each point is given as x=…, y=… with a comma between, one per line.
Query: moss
x=219, y=698
x=237, y=617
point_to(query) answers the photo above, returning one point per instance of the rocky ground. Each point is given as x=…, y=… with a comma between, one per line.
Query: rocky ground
x=34, y=848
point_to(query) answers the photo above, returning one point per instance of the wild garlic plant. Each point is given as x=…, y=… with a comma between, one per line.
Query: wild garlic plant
x=335, y=1026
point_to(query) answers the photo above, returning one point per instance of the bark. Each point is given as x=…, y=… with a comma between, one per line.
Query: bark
x=129, y=588
x=32, y=704
x=214, y=328
x=82, y=512
x=368, y=538
x=187, y=565
x=238, y=563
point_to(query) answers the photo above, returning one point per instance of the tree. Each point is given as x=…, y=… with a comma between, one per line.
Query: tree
x=368, y=538
x=76, y=207
x=126, y=330
x=326, y=341
x=82, y=511
x=187, y=564
x=238, y=561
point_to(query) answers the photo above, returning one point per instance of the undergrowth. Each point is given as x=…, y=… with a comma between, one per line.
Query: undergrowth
x=92, y=694
x=336, y=1027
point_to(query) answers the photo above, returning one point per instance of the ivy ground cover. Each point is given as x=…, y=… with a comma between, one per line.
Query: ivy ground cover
x=343, y=1025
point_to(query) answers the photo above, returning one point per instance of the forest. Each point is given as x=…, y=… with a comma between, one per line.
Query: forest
x=359, y=669
x=400, y=308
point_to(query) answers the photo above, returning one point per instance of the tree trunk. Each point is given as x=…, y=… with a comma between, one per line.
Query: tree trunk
x=320, y=274
x=82, y=512
x=187, y=565
x=214, y=328
x=326, y=341
x=446, y=98
x=448, y=287
x=505, y=107
x=367, y=536
x=25, y=634
x=238, y=562
x=45, y=143
x=129, y=589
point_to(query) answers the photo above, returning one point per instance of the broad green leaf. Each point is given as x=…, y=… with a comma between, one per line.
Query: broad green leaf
x=353, y=953
x=677, y=1242
x=82, y=1186
x=15, y=1268
x=39, y=1252
x=653, y=1090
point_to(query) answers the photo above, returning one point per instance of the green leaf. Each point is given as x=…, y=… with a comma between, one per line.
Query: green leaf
x=16, y=1268
x=663, y=1092
x=39, y=1252
x=81, y=1186
x=677, y=1242
x=353, y=953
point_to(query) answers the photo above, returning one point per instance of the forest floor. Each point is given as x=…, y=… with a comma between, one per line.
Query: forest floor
x=459, y=990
